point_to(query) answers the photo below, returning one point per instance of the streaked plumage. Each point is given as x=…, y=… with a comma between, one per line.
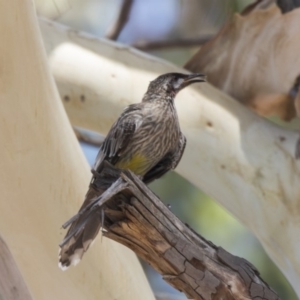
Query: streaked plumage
x=145, y=139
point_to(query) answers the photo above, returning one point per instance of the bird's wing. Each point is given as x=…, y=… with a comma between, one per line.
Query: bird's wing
x=84, y=228
x=120, y=134
x=169, y=162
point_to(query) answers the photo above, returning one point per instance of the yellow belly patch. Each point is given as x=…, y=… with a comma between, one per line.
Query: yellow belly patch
x=137, y=164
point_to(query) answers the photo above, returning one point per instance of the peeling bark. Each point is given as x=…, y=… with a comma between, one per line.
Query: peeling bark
x=255, y=53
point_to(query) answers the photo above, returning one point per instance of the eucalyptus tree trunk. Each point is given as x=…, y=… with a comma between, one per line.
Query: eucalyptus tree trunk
x=44, y=175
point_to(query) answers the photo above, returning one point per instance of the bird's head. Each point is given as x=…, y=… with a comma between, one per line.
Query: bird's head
x=168, y=85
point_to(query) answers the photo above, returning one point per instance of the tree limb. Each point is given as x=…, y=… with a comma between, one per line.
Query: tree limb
x=136, y=218
x=243, y=161
x=154, y=45
x=89, y=137
x=114, y=32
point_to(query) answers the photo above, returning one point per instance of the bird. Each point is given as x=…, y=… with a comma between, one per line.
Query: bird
x=146, y=139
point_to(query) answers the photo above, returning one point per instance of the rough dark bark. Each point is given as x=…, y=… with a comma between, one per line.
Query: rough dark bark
x=136, y=218
x=12, y=285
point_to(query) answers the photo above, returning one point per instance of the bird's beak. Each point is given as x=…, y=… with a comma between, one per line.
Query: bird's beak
x=195, y=78
x=192, y=78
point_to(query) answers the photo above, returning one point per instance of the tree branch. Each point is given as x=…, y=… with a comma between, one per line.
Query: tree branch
x=89, y=137
x=114, y=32
x=250, y=160
x=154, y=45
x=136, y=218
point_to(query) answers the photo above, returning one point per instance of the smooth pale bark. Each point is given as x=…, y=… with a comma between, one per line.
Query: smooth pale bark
x=44, y=175
x=243, y=161
x=12, y=285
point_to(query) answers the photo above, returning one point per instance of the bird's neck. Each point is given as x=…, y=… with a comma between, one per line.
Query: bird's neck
x=165, y=100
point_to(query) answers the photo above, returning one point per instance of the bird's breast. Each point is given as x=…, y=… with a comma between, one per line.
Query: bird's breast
x=158, y=135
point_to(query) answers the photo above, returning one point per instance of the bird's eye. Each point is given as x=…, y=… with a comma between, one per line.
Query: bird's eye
x=177, y=83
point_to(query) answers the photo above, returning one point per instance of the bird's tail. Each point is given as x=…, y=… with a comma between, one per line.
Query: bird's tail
x=81, y=234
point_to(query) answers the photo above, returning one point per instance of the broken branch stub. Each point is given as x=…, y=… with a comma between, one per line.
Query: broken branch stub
x=136, y=218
